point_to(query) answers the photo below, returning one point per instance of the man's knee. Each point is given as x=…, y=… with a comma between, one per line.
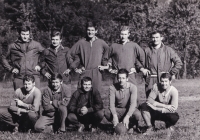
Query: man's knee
x=144, y=107
x=137, y=115
x=107, y=114
x=173, y=118
x=71, y=117
x=99, y=114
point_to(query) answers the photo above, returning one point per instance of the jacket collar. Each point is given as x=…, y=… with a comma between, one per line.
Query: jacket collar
x=83, y=92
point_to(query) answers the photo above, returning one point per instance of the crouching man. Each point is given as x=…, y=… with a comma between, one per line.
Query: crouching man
x=123, y=102
x=86, y=107
x=161, y=104
x=54, y=102
x=23, y=110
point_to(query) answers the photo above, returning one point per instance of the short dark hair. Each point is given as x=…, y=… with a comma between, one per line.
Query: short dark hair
x=28, y=78
x=85, y=79
x=55, y=76
x=56, y=32
x=24, y=28
x=156, y=32
x=122, y=71
x=91, y=24
x=166, y=75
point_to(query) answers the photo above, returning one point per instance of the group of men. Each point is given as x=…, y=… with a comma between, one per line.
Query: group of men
x=26, y=59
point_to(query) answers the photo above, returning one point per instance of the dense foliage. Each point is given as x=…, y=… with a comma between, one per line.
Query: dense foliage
x=179, y=20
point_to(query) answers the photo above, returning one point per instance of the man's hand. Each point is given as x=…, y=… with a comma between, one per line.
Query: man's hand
x=115, y=120
x=103, y=67
x=37, y=68
x=66, y=73
x=152, y=106
x=113, y=71
x=173, y=77
x=19, y=102
x=126, y=121
x=80, y=71
x=84, y=110
x=132, y=70
x=146, y=72
x=171, y=108
x=51, y=102
x=47, y=75
x=15, y=71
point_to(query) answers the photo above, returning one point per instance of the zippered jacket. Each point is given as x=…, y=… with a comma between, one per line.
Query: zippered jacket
x=22, y=56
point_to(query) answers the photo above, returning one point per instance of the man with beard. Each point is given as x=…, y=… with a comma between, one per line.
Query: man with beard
x=54, y=102
x=23, y=110
x=23, y=55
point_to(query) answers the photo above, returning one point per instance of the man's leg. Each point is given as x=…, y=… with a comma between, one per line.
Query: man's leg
x=132, y=79
x=63, y=115
x=150, y=81
x=32, y=117
x=170, y=119
x=8, y=117
x=73, y=119
x=135, y=118
x=145, y=111
x=121, y=112
x=96, y=117
x=42, y=122
x=17, y=83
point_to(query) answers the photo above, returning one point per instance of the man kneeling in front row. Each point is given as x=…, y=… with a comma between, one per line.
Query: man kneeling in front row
x=54, y=102
x=23, y=110
x=161, y=104
x=86, y=107
x=123, y=102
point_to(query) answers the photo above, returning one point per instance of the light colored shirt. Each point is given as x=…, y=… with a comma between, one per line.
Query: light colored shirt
x=123, y=98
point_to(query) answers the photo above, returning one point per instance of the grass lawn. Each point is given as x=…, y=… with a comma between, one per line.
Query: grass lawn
x=187, y=128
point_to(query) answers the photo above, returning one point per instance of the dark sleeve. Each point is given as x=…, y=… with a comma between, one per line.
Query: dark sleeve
x=72, y=106
x=42, y=62
x=105, y=56
x=140, y=55
x=97, y=102
x=177, y=62
x=13, y=105
x=46, y=102
x=67, y=95
x=5, y=56
x=73, y=55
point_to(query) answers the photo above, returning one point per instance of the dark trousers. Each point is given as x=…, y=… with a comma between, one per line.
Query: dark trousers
x=170, y=119
x=18, y=83
x=121, y=113
x=93, y=118
x=27, y=120
x=57, y=119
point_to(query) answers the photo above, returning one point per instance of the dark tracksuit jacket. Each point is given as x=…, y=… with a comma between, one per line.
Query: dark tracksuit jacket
x=91, y=55
x=53, y=62
x=22, y=56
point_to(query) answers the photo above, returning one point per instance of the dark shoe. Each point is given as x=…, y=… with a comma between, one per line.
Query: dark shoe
x=81, y=128
x=15, y=130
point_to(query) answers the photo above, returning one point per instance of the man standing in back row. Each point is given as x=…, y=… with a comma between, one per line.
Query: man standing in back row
x=23, y=55
x=159, y=59
x=125, y=54
x=93, y=53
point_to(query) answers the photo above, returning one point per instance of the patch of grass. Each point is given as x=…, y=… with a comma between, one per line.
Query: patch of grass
x=187, y=128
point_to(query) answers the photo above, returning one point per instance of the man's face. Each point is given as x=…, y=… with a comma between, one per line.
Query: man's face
x=56, y=41
x=87, y=86
x=28, y=85
x=56, y=84
x=165, y=83
x=122, y=79
x=156, y=39
x=25, y=36
x=91, y=32
x=124, y=35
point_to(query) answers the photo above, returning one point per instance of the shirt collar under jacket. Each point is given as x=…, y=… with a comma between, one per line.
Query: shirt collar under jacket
x=84, y=92
x=120, y=42
x=59, y=48
x=19, y=40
